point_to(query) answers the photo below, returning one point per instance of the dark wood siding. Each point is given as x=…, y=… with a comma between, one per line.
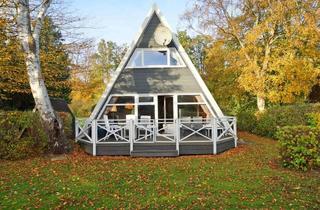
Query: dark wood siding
x=160, y=149
x=225, y=145
x=157, y=80
x=147, y=38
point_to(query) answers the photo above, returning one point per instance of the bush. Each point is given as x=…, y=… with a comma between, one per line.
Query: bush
x=246, y=120
x=314, y=120
x=267, y=123
x=21, y=135
x=68, y=125
x=299, y=147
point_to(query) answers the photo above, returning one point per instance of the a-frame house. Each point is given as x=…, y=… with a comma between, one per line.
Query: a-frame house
x=156, y=103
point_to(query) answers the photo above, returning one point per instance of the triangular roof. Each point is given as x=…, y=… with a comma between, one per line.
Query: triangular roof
x=155, y=10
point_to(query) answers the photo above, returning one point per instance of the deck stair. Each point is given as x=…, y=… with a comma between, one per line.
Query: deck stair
x=154, y=153
x=154, y=150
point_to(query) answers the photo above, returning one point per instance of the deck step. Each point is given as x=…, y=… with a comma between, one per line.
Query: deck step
x=154, y=153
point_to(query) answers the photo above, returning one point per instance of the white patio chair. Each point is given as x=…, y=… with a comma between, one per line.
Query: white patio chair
x=168, y=129
x=197, y=123
x=186, y=121
x=129, y=117
x=145, y=122
x=111, y=128
x=185, y=125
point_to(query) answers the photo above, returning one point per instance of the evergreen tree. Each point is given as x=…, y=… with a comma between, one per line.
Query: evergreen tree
x=14, y=85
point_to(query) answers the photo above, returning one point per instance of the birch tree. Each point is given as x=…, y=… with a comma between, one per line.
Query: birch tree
x=29, y=29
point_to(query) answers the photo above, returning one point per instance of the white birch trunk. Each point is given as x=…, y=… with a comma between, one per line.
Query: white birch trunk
x=30, y=42
x=261, y=103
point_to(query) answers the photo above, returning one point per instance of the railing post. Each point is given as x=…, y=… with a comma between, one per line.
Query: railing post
x=235, y=132
x=177, y=131
x=76, y=128
x=131, y=134
x=214, y=134
x=94, y=132
x=155, y=127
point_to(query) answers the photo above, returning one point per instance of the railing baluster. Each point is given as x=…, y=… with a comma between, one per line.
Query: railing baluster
x=76, y=125
x=131, y=134
x=177, y=132
x=235, y=132
x=214, y=134
x=94, y=132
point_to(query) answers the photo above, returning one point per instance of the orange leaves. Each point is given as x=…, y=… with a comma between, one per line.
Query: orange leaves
x=272, y=47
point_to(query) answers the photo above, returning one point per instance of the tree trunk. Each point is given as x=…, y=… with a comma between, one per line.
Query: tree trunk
x=51, y=121
x=261, y=103
x=30, y=44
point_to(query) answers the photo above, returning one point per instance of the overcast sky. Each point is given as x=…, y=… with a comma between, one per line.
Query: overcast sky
x=119, y=20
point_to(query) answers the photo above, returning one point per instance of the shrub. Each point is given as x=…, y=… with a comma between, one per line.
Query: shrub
x=314, y=119
x=21, y=135
x=246, y=120
x=267, y=123
x=299, y=147
x=68, y=125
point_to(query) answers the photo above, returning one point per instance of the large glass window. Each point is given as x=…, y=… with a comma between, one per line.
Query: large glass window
x=121, y=100
x=192, y=106
x=155, y=57
x=119, y=111
x=175, y=59
x=149, y=57
x=190, y=99
x=136, y=59
x=146, y=110
x=146, y=99
x=193, y=110
x=121, y=106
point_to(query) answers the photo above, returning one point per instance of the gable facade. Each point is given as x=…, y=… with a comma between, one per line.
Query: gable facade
x=161, y=80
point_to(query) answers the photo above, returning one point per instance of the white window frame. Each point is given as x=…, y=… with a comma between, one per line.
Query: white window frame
x=168, y=65
x=155, y=102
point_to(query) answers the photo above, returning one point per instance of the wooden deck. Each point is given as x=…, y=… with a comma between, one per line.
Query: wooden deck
x=159, y=149
x=136, y=139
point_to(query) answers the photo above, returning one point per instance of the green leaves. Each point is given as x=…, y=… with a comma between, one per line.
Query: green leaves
x=299, y=147
x=21, y=135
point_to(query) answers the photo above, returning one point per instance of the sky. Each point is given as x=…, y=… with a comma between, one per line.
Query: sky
x=119, y=20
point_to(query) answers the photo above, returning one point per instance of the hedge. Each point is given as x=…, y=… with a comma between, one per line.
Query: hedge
x=21, y=135
x=299, y=147
x=267, y=123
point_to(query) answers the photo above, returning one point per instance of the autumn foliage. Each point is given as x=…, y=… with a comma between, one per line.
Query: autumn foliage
x=268, y=49
x=14, y=86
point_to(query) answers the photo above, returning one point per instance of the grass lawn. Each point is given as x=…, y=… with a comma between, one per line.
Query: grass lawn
x=248, y=176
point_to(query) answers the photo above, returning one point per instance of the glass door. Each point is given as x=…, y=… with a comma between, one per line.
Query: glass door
x=165, y=107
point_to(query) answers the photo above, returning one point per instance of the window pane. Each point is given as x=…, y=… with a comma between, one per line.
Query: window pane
x=175, y=59
x=190, y=99
x=136, y=59
x=155, y=57
x=147, y=110
x=146, y=99
x=119, y=112
x=121, y=100
x=194, y=110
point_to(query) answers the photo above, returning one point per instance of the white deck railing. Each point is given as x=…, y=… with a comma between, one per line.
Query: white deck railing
x=157, y=131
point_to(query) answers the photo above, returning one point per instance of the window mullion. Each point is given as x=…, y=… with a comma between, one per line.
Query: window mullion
x=168, y=57
x=142, y=57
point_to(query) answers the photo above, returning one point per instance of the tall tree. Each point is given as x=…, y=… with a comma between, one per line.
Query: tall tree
x=277, y=43
x=196, y=48
x=29, y=31
x=55, y=61
x=14, y=87
x=89, y=85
